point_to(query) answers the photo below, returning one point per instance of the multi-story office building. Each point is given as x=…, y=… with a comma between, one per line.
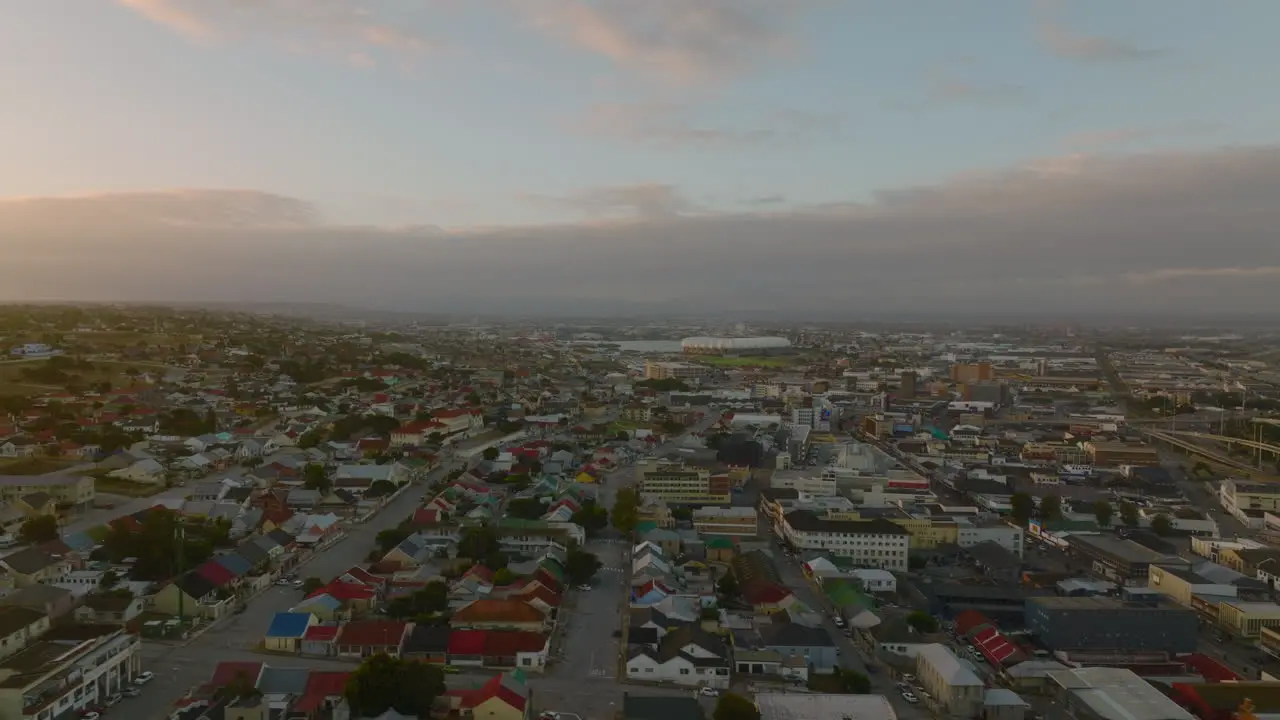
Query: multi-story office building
x=1105, y=623
x=659, y=370
x=676, y=483
x=738, y=521
x=74, y=490
x=869, y=543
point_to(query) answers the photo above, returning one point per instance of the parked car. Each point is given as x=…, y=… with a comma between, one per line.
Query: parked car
x=910, y=697
x=114, y=699
x=144, y=677
x=708, y=692
x=584, y=587
x=131, y=692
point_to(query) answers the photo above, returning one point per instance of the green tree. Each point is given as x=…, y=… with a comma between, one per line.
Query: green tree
x=526, y=508
x=391, y=537
x=163, y=543
x=923, y=622
x=42, y=528
x=503, y=577
x=490, y=453
x=732, y=706
x=311, y=585
x=1129, y=514
x=1050, y=507
x=108, y=580
x=625, y=515
x=853, y=682
x=431, y=600
x=384, y=683
x=591, y=517
x=316, y=478
x=1103, y=511
x=1022, y=507
x=581, y=566
x=479, y=544
x=727, y=587
x=1161, y=525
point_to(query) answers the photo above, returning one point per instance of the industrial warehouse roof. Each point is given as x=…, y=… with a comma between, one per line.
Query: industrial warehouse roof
x=1117, y=694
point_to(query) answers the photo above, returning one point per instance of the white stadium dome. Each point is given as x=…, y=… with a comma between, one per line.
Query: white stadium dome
x=727, y=344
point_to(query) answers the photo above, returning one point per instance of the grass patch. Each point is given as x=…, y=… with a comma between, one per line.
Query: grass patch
x=13, y=382
x=33, y=466
x=125, y=338
x=750, y=361
x=116, y=486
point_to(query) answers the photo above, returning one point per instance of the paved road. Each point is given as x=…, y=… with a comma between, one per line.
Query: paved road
x=179, y=667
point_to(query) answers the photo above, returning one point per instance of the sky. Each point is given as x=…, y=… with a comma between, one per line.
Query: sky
x=747, y=154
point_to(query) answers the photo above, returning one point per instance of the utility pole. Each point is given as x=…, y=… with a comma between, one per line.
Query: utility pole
x=180, y=555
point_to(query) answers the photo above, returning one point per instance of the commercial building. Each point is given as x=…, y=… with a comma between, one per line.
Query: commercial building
x=1104, y=693
x=1238, y=495
x=950, y=681
x=68, y=670
x=807, y=706
x=1247, y=619
x=869, y=543
x=1180, y=585
x=726, y=346
x=659, y=370
x=1106, y=623
x=676, y=483
x=972, y=372
x=1115, y=454
x=1120, y=560
x=75, y=491
x=726, y=521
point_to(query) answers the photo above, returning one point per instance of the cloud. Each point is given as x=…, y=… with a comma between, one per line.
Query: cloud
x=679, y=41
x=1121, y=137
x=651, y=201
x=670, y=124
x=335, y=26
x=1072, y=236
x=1060, y=39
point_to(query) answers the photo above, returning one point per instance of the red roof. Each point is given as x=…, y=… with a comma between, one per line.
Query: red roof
x=968, y=620
x=1210, y=669
x=516, y=611
x=321, y=685
x=494, y=688
x=426, y=516
x=226, y=672
x=765, y=593
x=215, y=573
x=321, y=633
x=459, y=412
x=543, y=576
x=507, y=644
x=480, y=572
x=542, y=593
x=360, y=575
x=372, y=633
x=346, y=592
x=995, y=647
x=466, y=642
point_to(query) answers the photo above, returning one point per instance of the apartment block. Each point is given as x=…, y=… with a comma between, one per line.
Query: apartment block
x=869, y=543
x=676, y=483
x=70, y=669
x=726, y=521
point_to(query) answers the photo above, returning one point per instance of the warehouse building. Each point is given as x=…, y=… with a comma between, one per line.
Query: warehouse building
x=1119, y=560
x=1105, y=623
x=1103, y=693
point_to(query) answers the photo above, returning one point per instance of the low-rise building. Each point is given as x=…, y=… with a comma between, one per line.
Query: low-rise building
x=951, y=682
x=1247, y=619
x=677, y=483
x=869, y=543
x=1106, y=623
x=76, y=491
x=71, y=668
x=738, y=521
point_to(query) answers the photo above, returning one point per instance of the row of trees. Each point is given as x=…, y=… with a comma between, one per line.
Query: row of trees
x=164, y=543
x=626, y=510
x=1023, y=508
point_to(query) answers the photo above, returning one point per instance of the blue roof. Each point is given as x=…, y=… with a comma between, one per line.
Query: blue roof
x=79, y=541
x=324, y=600
x=234, y=563
x=289, y=625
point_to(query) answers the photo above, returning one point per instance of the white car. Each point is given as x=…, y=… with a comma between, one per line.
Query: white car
x=910, y=697
x=144, y=677
x=91, y=716
x=584, y=588
x=114, y=699
x=709, y=692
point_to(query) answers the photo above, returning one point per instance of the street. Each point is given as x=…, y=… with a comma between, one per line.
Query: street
x=179, y=667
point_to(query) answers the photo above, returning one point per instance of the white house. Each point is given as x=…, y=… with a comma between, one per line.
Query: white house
x=686, y=656
x=148, y=471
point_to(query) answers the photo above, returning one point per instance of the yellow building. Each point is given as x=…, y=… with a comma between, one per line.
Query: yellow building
x=655, y=511
x=677, y=483
x=20, y=626
x=1180, y=585
x=1246, y=495
x=74, y=491
x=726, y=521
x=1247, y=619
x=926, y=533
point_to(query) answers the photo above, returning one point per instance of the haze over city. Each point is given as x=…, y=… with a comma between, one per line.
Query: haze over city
x=616, y=156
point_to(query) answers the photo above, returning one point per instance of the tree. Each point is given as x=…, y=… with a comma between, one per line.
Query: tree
x=732, y=706
x=155, y=543
x=853, y=682
x=108, y=580
x=490, y=453
x=727, y=587
x=1022, y=507
x=316, y=478
x=390, y=538
x=923, y=622
x=480, y=544
x=591, y=517
x=581, y=566
x=526, y=508
x=503, y=577
x=380, y=488
x=1103, y=511
x=431, y=600
x=626, y=505
x=311, y=585
x=1161, y=525
x=39, y=529
x=384, y=683
x=1050, y=507
x=1129, y=514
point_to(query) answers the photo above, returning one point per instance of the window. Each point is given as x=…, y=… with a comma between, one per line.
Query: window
x=684, y=671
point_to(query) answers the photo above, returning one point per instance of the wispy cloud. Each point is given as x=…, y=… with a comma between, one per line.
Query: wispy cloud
x=342, y=28
x=678, y=41
x=1169, y=274
x=647, y=201
x=667, y=123
x=1101, y=140
x=1057, y=37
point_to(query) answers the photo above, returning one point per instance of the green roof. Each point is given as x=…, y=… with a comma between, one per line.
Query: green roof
x=843, y=593
x=644, y=527
x=720, y=543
